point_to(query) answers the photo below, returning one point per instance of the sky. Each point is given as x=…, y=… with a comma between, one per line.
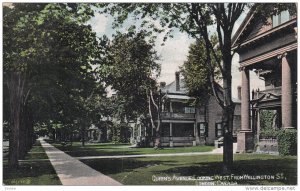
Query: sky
x=174, y=52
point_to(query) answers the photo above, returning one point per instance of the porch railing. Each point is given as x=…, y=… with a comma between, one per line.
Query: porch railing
x=177, y=115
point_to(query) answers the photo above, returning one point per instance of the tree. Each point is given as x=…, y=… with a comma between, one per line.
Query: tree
x=195, y=19
x=130, y=70
x=196, y=73
x=45, y=47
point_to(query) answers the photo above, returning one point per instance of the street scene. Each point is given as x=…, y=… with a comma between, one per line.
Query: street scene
x=118, y=94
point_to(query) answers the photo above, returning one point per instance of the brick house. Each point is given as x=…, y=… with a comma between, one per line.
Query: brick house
x=184, y=124
x=269, y=49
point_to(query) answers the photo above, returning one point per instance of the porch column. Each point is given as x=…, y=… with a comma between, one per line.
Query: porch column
x=258, y=123
x=245, y=136
x=287, y=92
x=195, y=135
x=171, y=108
x=171, y=135
x=245, y=104
x=140, y=130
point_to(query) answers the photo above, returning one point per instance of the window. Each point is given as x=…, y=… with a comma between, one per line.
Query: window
x=219, y=129
x=165, y=131
x=202, y=129
x=183, y=129
x=189, y=110
x=282, y=17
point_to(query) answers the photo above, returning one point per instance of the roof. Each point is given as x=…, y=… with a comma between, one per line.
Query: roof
x=171, y=88
x=243, y=26
x=254, y=28
x=171, y=93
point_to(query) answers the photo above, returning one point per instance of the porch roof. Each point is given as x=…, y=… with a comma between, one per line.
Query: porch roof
x=184, y=97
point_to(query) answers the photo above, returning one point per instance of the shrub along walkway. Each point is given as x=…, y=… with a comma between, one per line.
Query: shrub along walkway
x=72, y=172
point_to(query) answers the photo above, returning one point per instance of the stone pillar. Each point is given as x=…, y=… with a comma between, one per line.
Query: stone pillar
x=245, y=136
x=287, y=92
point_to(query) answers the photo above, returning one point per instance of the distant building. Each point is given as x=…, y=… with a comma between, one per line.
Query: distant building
x=184, y=124
x=269, y=49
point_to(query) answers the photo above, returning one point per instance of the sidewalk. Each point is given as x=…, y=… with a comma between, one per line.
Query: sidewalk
x=72, y=172
x=213, y=152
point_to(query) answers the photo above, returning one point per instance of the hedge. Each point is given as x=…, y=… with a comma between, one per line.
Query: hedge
x=268, y=133
x=287, y=142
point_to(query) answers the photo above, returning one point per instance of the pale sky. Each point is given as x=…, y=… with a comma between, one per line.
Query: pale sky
x=174, y=52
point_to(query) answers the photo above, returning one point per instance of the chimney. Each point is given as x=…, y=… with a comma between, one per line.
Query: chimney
x=239, y=91
x=177, y=81
x=162, y=84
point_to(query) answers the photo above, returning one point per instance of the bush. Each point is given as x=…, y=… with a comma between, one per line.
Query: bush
x=287, y=142
x=120, y=133
x=268, y=133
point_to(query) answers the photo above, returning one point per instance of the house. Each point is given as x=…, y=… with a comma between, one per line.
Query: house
x=184, y=124
x=270, y=49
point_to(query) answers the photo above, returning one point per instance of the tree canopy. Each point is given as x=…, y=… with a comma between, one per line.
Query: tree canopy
x=196, y=73
x=130, y=69
x=48, y=56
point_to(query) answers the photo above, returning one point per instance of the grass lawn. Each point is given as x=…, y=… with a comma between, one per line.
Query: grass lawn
x=169, y=170
x=31, y=172
x=106, y=149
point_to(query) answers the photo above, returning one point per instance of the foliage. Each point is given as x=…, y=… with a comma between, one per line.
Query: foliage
x=266, y=119
x=195, y=70
x=129, y=65
x=195, y=19
x=120, y=133
x=48, y=53
x=268, y=133
x=287, y=142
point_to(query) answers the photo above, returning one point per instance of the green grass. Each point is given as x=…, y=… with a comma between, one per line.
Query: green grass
x=31, y=171
x=108, y=149
x=144, y=171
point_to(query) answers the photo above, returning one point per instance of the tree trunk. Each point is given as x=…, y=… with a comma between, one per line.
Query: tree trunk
x=157, y=142
x=228, y=140
x=158, y=127
x=83, y=135
x=228, y=111
x=22, y=139
x=15, y=88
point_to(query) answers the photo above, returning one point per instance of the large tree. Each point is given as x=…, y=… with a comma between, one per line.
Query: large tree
x=200, y=20
x=196, y=73
x=195, y=19
x=131, y=69
x=45, y=49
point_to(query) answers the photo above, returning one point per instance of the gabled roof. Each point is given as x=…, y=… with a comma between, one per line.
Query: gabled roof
x=254, y=28
x=243, y=26
x=171, y=93
x=171, y=88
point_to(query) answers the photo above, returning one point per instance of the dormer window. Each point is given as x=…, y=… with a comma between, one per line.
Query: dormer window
x=282, y=17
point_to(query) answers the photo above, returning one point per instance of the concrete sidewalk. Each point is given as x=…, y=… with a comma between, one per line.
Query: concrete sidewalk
x=72, y=172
